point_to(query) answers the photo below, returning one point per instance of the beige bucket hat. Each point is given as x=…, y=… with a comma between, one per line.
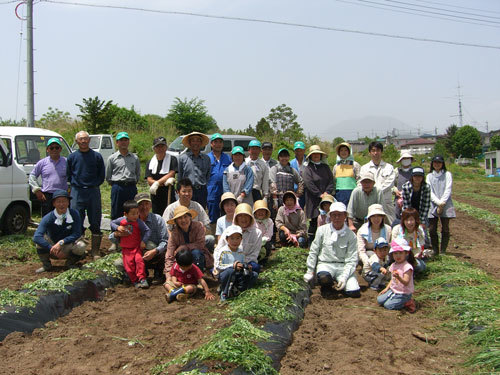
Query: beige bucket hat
x=343, y=144
x=225, y=197
x=243, y=209
x=404, y=155
x=375, y=209
x=326, y=198
x=316, y=149
x=181, y=211
x=261, y=205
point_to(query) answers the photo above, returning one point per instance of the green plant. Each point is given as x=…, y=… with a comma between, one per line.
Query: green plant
x=483, y=215
x=17, y=299
x=60, y=282
x=105, y=264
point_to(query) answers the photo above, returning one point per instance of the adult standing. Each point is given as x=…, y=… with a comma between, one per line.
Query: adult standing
x=123, y=171
x=86, y=174
x=361, y=198
x=403, y=175
x=219, y=161
x=156, y=246
x=441, y=182
x=195, y=165
x=346, y=172
x=53, y=171
x=267, y=152
x=334, y=255
x=318, y=181
x=58, y=234
x=160, y=173
x=260, y=188
x=416, y=194
x=384, y=177
x=298, y=163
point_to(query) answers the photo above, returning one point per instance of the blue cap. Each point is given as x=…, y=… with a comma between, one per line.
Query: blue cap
x=299, y=144
x=238, y=150
x=121, y=135
x=380, y=242
x=60, y=193
x=216, y=136
x=254, y=143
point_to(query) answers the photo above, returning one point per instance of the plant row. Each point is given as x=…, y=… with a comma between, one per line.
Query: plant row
x=479, y=213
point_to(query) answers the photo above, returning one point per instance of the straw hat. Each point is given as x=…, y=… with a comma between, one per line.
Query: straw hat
x=261, y=205
x=405, y=155
x=375, y=209
x=181, y=211
x=243, y=208
x=343, y=144
x=315, y=149
x=225, y=197
x=326, y=198
x=204, y=139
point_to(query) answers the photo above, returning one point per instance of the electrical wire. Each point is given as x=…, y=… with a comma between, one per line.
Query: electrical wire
x=8, y=2
x=416, y=14
x=457, y=6
x=280, y=23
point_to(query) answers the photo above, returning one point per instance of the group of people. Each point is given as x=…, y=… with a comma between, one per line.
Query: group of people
x=222, y=215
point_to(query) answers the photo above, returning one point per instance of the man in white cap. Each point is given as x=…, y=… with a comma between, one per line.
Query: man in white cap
x=195, y=165
x=363, y=197
x=333, y=255
x=384, y=177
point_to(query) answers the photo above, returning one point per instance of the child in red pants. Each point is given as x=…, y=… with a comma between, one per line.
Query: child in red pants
x=133, y=235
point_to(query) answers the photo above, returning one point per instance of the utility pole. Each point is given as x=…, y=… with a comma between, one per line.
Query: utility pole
x=460, y=115
x=30, y=85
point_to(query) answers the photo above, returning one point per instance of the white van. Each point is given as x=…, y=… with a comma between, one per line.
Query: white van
x=15, y=206
x=101, y=143
x=230, y=140
x=28, y=145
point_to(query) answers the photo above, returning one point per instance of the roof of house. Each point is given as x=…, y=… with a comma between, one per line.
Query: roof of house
x=419, y=141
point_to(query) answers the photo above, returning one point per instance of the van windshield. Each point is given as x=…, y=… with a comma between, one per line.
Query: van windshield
x=176, y=145
x=31, y=148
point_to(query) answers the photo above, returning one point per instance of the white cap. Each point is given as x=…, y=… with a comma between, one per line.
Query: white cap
x=337, y=207
x=232, y=229
x=367, y=176
x=404, y=155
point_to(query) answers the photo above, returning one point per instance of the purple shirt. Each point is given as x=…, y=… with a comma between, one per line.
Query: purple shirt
x=53, y=174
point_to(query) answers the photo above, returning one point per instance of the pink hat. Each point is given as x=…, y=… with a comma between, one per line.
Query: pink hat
x=399, y=244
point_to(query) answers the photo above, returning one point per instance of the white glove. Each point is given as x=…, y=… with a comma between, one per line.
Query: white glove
x=308, y=276
x=153, y=188
x=340, y=284
x=239, y=199
x=170, y=181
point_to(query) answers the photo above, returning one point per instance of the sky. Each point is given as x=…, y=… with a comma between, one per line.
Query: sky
x=338, y=83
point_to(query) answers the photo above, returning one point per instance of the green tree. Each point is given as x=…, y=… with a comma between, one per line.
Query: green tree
x=54, y=118
x=440, y=149
x=284, y=122
x=263, y=129
x=129, y=119
x=96, y=115
x=191, y=115
x=10, y=122
x=448, y=142
x=495, y=143
x=391, y=154
x=337, y=141
x=467, y=142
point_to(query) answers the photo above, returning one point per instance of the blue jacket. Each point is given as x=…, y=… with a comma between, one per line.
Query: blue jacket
x=214, y=186
x=69, y=232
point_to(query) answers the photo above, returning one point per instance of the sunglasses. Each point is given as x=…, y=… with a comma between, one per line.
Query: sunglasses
x=54, y=147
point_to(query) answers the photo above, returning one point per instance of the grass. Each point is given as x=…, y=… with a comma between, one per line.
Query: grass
x=469, y=301
x=479, y=213
x=17, y=248
x=492, y=201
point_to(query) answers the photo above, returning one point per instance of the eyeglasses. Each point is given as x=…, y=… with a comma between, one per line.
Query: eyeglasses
x=54, y=147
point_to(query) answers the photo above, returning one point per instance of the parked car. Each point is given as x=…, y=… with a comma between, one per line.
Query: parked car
x=230, y=140
x=15, y=206
x=101, y=143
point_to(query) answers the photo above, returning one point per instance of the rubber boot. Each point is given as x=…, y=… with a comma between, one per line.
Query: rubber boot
x=435, y=243
x=46, y=265
x=96, y=244
x=172, y=295
x=72, y=259
x=445, y=238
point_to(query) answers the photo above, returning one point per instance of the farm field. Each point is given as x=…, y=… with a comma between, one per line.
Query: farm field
x=131, y=331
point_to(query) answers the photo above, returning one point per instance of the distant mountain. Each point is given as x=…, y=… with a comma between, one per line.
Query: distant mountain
x=365, y=126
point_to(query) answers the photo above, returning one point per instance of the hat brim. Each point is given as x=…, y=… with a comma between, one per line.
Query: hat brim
x=323, y=154
x=204, y=139
x=193, y=214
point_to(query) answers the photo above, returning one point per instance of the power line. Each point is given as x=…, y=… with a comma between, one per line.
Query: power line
x=415, y=14
x=8, y=2
x=457, y=6
x=280, y=23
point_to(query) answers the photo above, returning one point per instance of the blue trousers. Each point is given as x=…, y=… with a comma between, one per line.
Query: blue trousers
x=119, y=195
x=393, y=301
x=198, y=259
x=89, y=201
x=343, y=196
x=255, y=266
x=200, y=195
x=241, y=282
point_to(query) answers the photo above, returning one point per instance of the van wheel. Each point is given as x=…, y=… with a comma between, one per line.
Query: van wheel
x=16, y=220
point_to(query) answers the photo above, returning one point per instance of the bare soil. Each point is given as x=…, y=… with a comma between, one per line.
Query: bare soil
x=477, y=202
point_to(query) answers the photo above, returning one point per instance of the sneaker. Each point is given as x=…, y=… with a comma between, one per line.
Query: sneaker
x=143, y=284
x=137, y=285
x=375, y=287
x=410, y=306
x=223, y=298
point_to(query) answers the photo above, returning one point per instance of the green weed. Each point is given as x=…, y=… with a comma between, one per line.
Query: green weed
x=18, y=299
x=17, y=247
x=60, y=282
x=106, y=265
x=493, y=201
x=479, y=213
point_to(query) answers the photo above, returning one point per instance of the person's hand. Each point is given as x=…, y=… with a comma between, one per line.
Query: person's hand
x=178, y=284
x=308, y=276
x=123, y=230
x=294, y=240
x=209, y=296
x=396, y=275
x=353, y=228
x=56, y=251
x=40, y=196
x=238, y=266
x=143, y=245
x=150, y=254
x=154, y=187
x=383, y=291
x=170, y=181
x=249, y=267
x=383, y=270
x=340, y=284
x=397, y=193
x=240, y=198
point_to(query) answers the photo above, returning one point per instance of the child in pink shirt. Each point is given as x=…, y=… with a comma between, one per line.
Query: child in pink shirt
x=398, y=294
